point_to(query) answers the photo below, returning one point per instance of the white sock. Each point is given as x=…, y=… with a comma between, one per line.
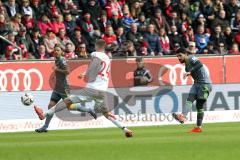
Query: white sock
x=58, y=107
x=115, y=122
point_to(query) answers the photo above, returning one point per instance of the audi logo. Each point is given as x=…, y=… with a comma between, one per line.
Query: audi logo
x=173, y=75
x=15, y=81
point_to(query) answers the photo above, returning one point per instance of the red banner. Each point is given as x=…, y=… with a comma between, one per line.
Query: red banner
x=39, y=75
x=232, y=65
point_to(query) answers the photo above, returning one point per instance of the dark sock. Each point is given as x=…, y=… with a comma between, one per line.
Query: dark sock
x=200, y=116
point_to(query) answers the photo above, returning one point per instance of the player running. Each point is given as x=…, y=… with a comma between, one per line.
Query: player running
x=61, y=85
x=98, y=78
x=199, y=91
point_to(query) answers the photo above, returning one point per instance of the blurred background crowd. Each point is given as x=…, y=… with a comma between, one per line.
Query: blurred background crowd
x=29, y=29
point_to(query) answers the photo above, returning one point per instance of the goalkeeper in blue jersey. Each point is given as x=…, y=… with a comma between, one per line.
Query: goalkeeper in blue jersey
x=200, y=90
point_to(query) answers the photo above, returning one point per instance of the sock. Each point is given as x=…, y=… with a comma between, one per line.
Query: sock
x=115, y=122
x=200, y=115
x=79, y=107
x=47, y=121
x=188, y=106
x=58, y=107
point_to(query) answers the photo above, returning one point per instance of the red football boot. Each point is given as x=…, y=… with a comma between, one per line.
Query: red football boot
x=196, y=130
x=39, y=112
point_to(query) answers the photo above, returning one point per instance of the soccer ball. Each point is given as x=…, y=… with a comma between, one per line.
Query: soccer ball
x=27, y=99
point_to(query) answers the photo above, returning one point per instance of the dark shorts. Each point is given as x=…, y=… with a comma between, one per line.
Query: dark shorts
x=200, y=91
x=56, y=97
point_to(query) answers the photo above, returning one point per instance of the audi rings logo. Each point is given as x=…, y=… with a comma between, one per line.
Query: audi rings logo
x=173, y=75
x=11, y=79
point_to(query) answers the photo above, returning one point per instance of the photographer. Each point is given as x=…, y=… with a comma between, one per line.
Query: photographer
x=142, y=76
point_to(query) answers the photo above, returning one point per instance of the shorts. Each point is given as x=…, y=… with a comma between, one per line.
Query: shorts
x=88, y=95
x=200, y=91
x=56, y=96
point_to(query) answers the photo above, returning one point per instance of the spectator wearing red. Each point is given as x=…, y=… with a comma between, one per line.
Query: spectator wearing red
x=237, y=37
x=113, y=6
x=58, y=24
x=69, y=51
x=234, y=49
x=44, y=24
x=159, y=21
x=28, y=21
x=50, y=40
x=109, y=37
x=52, y=9
x=185, y=21
x=42, y=52
x=89, y=27
x=164, y=41
x=10, y=53
x=144, y=49
x=188, y=36
x=168, y=9
x=24, y=52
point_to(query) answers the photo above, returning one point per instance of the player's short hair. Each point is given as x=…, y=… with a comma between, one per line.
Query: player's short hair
x=183, y=51
x=100, y=43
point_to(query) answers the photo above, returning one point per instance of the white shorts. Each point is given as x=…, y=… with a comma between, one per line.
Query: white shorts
x=88, y=95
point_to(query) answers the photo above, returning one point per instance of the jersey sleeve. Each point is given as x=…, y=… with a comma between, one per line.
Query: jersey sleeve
x=195, y=63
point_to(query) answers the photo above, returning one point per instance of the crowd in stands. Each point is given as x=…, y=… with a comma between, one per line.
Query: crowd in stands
x=129, y=27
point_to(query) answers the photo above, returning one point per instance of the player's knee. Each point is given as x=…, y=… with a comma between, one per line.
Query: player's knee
x=68, y=102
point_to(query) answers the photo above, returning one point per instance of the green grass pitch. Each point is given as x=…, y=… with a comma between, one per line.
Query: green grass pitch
x=218, y=142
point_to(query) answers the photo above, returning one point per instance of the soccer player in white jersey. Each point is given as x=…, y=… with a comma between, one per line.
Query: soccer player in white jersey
x=98, y=78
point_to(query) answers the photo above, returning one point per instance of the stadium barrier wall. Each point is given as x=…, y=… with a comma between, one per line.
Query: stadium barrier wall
x=133, y=105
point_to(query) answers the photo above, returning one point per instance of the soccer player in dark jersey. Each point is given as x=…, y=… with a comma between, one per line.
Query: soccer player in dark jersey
x=61, y=87
x=142, y=76
x=200, y=90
